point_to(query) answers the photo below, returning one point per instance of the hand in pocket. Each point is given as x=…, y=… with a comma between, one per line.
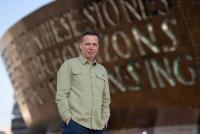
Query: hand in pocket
x=67, y=121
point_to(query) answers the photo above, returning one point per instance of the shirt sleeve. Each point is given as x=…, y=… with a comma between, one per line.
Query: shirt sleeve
x=63, y=88
x=106, y=102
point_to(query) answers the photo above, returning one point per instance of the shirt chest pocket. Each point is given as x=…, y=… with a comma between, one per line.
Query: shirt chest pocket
x=100, y=80
x=79, y=72
x=75, y=72
x=79, y=78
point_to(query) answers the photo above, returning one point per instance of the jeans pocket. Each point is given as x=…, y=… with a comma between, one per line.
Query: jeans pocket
x=70, y=121
x=64, y=127
x=64, y=124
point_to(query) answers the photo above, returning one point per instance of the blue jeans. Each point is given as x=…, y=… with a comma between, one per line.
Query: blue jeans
x=75, y=128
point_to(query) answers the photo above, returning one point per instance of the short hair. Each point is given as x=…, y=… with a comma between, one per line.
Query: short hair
x=90, y=31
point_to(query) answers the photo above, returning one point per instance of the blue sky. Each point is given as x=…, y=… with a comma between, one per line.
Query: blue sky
x=11, y=11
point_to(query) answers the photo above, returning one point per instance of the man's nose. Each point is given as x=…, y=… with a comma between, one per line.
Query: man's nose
x=91, y=46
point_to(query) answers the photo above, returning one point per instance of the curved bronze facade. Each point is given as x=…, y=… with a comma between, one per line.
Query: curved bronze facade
x=150, y=48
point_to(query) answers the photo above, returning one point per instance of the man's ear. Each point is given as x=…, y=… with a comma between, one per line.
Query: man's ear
x=80, y=47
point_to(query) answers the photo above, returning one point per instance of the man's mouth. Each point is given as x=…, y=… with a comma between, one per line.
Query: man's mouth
x=91, y=52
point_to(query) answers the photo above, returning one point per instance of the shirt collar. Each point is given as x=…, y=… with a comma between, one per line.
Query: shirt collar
x=84, y=60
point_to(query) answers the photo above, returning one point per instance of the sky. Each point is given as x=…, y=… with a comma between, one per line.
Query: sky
x=11, y=11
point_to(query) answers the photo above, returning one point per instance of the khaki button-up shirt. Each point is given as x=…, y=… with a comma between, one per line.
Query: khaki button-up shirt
x=83, y=93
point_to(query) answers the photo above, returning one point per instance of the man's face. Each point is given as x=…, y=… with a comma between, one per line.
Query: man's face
x=89, y=46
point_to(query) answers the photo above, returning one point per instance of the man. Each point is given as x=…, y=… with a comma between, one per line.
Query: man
x=83, y=96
